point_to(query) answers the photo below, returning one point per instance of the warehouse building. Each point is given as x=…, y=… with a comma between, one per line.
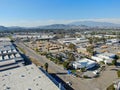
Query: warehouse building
x=9, y=56
x=27, y=77
x=84, y=63
x=105, y=57
x=75, y=41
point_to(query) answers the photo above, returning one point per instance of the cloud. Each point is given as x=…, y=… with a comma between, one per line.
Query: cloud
x=33, y=23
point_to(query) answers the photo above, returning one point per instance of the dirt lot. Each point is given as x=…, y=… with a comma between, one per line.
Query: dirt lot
x=45, y=46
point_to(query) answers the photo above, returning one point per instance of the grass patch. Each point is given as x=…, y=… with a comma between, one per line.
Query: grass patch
x=111, y=87
x=73, y=71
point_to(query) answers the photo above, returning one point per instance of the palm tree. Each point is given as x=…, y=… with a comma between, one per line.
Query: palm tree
x=103, y=39
x=48, y=47
x=71, y=57
x=90, y=40
x=46, y=66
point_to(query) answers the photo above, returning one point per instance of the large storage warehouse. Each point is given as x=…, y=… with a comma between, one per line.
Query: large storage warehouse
x=9, y=56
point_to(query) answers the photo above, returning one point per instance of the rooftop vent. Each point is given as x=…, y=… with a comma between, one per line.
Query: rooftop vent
x=29, y=89
x=32, y=68
x=39, y=76
x=22, y=75
x=8, y=88
x=37, y=84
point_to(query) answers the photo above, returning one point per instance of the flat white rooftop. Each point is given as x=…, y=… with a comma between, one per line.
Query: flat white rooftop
x=73, y=40
x=39, y=36
x=4, y=39
x=85, y=61
x=25, y=78
x=9, y=56
x=5, y=45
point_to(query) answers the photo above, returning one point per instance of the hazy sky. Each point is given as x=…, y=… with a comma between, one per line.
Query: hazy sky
x=43, y=12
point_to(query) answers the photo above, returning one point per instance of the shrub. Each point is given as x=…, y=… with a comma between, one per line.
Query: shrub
x=43, y=53
x=102, y=62
x=111, y=87
x=83, y=69
x=109, y=64
x=66, y=65
x=85, y=76
x=114, y=62
x=118, y=73
x=73, y=71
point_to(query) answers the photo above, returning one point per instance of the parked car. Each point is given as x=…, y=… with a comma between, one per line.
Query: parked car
x=69, y=83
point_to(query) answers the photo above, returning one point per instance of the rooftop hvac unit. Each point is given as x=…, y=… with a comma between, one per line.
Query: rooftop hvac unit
x=9, y=51
x=5, y=51
x=12, y=56
x=6, y=57
x=17, y=55
x=14, y=50
x=1, y=58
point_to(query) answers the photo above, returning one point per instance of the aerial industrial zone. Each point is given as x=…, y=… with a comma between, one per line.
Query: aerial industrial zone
x=59, y=44
x=51, y=60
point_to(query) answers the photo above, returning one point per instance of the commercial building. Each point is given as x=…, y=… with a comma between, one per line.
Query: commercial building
x=98, y=59
x=35, y=36
x=14, y=75
x=73, y=40
x=84, y=63
x=9, y=56
x=27, y=77
x=112, y=41
x=105, y=57
x=5, y=39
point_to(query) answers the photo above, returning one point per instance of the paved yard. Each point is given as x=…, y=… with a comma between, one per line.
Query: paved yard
x=107, y=78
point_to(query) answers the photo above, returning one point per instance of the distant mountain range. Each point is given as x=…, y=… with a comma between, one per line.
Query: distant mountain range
x=3, y=28
x=63, y=26
x=95, y=24
x=73, y=25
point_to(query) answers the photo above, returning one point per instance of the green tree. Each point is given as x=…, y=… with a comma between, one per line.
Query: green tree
x=46, y=66
x=90, y=49
x=59, y=58
x=66, y=65
x=90, y=40
x=72, y=47
x=48, y=47
x=83, y=69
x=118, y=36
x=115, y=61
x=71, y=57
x=103, y=39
